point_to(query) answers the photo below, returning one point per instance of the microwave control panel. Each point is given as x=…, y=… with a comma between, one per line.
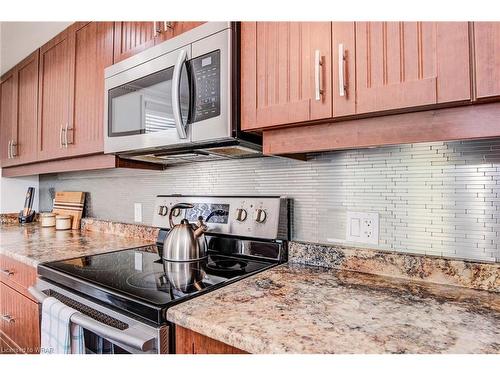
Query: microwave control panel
x=206, y=80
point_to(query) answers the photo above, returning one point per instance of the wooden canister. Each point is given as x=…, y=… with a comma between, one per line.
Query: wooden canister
x=47, y=219
x=63, y=222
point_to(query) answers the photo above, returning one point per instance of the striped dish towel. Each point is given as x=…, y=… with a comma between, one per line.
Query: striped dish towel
x=59, y=335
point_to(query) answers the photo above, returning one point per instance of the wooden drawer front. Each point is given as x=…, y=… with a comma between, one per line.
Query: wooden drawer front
x=17, y=275
x=190, y=342
x=19, y=319
x=7, y=346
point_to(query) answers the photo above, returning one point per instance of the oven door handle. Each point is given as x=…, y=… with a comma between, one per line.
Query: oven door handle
x=129, y=336
x=176, y=94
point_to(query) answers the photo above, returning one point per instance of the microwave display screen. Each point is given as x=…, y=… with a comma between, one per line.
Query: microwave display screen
x=206, y=61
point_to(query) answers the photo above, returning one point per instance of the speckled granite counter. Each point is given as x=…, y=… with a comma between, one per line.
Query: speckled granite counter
x=297, y=308
x=32, y=244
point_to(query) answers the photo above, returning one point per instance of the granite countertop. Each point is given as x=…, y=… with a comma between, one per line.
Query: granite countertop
x=32, y=244
x=297, y=308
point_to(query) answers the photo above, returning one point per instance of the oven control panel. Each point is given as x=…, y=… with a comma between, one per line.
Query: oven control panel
x=255, y=217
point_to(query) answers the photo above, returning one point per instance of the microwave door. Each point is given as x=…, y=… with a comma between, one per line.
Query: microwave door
x=141, y=109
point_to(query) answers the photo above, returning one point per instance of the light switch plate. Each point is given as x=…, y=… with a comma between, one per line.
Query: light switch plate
x=138, y=212
x=362, y=227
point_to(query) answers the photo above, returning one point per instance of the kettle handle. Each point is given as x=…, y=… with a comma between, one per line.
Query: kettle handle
x=178, y=205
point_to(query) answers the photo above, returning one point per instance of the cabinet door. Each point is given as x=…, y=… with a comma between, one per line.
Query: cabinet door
x=133, y=37
x=21, y=323
x=190, y=342
x=170, y=29
x=8, y=117
x=27, y=110
x=410, y=64
x=93, y=51
x=487, y=58
x=281, y=80
x=54, y=95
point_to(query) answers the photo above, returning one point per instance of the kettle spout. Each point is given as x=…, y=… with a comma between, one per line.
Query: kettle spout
x=201, y=227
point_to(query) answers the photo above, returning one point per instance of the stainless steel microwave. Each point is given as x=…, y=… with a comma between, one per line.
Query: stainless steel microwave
x=178, y=100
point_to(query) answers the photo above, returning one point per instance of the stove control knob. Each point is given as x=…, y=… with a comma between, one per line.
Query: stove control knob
x=162, y=211
x=241, y=214
x=176, y=212
x=260, y=215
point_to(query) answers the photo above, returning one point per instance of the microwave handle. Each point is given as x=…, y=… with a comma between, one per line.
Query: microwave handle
x=176, y=94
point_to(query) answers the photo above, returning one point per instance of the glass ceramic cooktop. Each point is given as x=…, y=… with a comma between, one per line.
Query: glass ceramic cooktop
x=140, y=276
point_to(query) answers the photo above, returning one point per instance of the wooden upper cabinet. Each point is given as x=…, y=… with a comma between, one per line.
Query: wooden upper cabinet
x=18, y=128
x=93, y=51
x=27, y=109
x=170, y=29
x=409, y=64
x=487, y=59
x=54, y=95
x=133, y=37
x=71, y=90
x=8, y=117
x=285, y=73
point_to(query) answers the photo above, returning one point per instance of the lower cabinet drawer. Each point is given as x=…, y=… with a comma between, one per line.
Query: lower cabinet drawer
x=19, y=319
x=17, y=275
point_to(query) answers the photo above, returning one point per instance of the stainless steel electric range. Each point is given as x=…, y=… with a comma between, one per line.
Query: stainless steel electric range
x=123, y=296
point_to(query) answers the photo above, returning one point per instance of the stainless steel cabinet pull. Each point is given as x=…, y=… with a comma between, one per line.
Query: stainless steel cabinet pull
x=176, y=94
x=167, y=25
x=13, y=147
x=128, y=336
x=9, y=150
x=318, y=63
x=342, y=67
x=6, y=272
x=61, y=142
x=7, y=318
x=66, y=135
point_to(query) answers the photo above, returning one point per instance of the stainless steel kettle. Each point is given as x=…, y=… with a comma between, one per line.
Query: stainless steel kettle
x=185, y=242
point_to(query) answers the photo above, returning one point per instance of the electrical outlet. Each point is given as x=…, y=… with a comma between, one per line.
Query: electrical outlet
x=362, y=227
x=138, y=212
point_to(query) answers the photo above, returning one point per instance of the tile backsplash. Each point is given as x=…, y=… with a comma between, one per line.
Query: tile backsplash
x=440, y=198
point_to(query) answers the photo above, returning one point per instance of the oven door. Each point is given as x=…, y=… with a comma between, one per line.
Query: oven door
x=145, y=106
x=106, y=331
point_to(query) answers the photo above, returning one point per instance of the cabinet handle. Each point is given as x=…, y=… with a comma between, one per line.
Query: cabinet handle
x=342, y=67
x=6, y=272
x=7, y=318
x=13, y=152
x=317, y=75
x=155, y=29
x=61, y=144
x=167, y=25
x=66, y=129
x=9, y=150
